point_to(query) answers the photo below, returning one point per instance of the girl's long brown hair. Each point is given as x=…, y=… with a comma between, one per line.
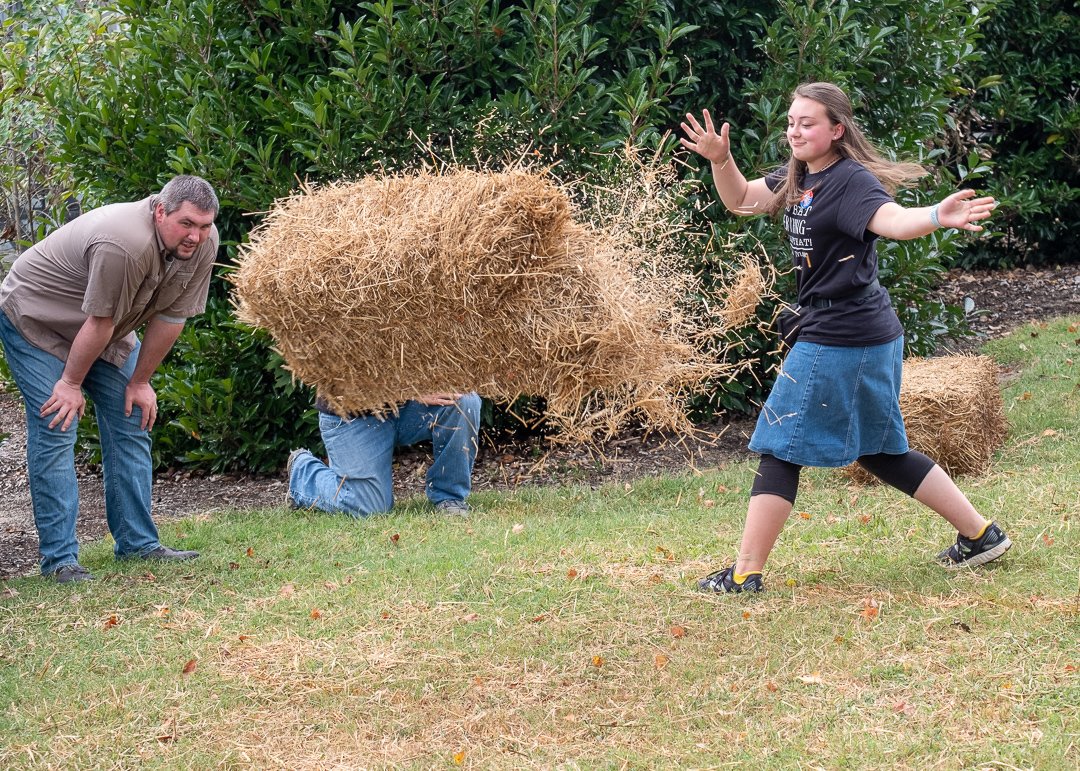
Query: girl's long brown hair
x=852, y=144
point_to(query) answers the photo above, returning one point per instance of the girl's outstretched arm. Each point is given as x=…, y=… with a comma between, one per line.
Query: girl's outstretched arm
x=959, y=210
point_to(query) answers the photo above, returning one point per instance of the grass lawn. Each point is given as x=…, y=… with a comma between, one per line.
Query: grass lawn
x=559, y=628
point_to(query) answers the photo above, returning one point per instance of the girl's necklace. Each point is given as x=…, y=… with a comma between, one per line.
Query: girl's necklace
x=827, y=166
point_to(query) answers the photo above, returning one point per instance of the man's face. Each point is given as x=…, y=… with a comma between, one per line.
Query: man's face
x=182, y=231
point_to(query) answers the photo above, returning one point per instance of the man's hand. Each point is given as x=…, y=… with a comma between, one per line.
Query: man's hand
x=438, y=400
x=141, y=395
x=67, y=402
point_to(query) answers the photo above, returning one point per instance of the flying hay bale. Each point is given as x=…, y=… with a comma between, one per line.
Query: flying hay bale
x=953, y=412
x=385, y=288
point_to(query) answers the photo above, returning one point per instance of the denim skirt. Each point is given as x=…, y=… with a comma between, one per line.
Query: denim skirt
x=832, y=404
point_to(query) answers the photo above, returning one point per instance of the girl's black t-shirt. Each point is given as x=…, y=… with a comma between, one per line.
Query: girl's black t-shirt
x=835, y=256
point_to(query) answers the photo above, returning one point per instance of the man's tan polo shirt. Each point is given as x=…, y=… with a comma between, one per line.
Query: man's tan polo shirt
x=107, y=262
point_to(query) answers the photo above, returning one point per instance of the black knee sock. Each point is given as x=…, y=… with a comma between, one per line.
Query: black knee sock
x=777, y=477
x=904, y=472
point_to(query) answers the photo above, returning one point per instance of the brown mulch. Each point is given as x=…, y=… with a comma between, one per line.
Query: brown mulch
x=1003, y=301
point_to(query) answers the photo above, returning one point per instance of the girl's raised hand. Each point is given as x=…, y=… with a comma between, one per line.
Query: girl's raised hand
x=961, y=210
x=705, y=141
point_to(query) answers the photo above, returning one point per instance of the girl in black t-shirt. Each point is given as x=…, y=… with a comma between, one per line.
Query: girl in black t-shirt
x=836, y=400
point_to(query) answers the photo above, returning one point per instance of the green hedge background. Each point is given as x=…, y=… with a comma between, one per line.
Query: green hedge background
x=106, y=101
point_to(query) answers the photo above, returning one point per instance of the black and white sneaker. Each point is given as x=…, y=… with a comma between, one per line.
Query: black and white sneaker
x=727, y=581
x=969, y=552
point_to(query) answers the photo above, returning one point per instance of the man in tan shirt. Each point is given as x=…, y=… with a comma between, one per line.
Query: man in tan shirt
x=71, y=305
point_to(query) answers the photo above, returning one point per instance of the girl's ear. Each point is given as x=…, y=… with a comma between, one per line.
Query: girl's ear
x=838, y=131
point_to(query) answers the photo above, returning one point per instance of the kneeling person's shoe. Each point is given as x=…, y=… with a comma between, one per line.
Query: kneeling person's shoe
x=453, y=508
x=67, y=574
x=165, y=554
x=728, y=581
x=289, y=502
x=969, y=552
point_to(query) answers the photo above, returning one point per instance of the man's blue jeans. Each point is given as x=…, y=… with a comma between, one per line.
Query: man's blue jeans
x=50, y=455
x=359, y=479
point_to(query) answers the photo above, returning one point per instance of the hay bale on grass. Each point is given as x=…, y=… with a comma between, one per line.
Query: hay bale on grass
x=953, y=412
x=385, y=288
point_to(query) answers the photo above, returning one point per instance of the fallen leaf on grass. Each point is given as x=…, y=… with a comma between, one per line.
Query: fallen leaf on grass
x=903, y=707
x=189, y=667
x=655, y=579
x=234, y=566
x=470, y=617
x=288, y=590
x=804, y=514
x=250, y=552
x=668, y=554
x=598, y=661
x=771, y=687
x=571, y=573
x=538, y=619
x=746, y=614
x=395, y=538
x=814, y=678
x=111, y=621
x=459, y=758
x=660, y=661
x=677, y=632
x=316, y=613
x=517, y=528
x=1047, y=540
x=870, y=609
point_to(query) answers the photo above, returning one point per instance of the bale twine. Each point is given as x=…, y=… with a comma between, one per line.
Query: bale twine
x=953, y=412
x=385, y=288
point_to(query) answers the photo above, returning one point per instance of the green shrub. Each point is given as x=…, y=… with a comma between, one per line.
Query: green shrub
x=1028, y=114
x=258, y=95
x=223, y=397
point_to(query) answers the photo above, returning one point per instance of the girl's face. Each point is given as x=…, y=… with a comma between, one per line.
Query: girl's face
x=810, y=132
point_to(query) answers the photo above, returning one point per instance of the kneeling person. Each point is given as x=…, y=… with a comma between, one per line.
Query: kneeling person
x=359, y=481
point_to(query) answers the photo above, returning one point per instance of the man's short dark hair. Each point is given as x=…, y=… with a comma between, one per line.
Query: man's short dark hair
x=187, y=187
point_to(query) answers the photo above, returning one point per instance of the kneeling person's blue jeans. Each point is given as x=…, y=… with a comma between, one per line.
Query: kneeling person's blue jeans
x=359, y=479
x=50, y=454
